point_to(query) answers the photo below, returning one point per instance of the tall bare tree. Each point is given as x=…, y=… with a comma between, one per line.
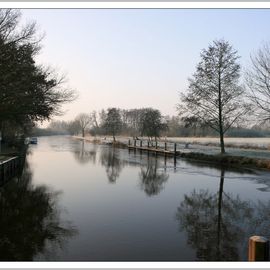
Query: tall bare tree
x=258, y=82
x=214, y=95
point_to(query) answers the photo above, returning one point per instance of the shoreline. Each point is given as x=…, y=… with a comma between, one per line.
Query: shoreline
x=252, y=143
x=224, y=160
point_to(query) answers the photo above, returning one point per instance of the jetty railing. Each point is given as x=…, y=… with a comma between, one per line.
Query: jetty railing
x=158, y=147
x=8, y=169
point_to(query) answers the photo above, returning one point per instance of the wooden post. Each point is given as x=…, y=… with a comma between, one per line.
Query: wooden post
x=258, y=249
x=148, y=144
x=1, y=173
x=156, y=144
x=129, y=142
x=135, y=142
x=174, y=157
x=140, y=143
x=165, y=146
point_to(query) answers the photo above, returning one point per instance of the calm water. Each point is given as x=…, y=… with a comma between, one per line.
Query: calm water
x=81, y=202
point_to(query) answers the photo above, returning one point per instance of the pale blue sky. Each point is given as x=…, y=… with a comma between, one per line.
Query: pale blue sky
x=132, y=58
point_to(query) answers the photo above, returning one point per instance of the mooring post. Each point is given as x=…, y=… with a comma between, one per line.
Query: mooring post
x=258, y=249
x=140, y=143
x=135, y=142
x=165, y=146
x=174, y=157
x=129, y=142
x=147, y=144
x=156, y=144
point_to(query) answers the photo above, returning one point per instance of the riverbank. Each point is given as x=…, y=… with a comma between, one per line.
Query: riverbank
x=7, y=155
x=230, y=142
x=7, y=152
x=229, y=161
x=236, y=156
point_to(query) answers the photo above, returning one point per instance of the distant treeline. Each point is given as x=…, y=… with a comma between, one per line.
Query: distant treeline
x=141, y=122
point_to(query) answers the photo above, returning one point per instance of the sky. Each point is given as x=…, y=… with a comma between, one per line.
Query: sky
x=134, y=58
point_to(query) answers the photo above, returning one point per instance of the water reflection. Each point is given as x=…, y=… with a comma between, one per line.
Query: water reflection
x=83, y=155
x=152, y=179
x=30, y=220
x=218, y=225
x=215, y=221
x=110, y=159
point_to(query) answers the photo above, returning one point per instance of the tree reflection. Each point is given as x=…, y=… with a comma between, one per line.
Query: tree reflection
x=84, y=156
x=109, y=158
x=152, y=180
x=218, y=225
x=30, y=220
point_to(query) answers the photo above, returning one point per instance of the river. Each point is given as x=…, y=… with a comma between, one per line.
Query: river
x=76, y=201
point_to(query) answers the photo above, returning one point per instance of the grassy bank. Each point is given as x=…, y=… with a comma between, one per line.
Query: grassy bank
x=229, y=161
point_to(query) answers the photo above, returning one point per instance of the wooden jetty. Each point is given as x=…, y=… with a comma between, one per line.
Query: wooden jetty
x=161, y=148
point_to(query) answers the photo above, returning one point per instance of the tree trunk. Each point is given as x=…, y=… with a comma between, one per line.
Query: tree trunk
x=83, y=132
x=222, y=146
x=220, y=121
x=0, y=139
x=113, y=138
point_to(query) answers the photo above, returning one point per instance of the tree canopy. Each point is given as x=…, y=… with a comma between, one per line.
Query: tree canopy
x=214, y=94
x=113, y=122
x=29, y=92
x=258, y=82
x=151, y=123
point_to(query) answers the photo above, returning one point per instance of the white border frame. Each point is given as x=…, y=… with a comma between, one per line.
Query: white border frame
x=132, y=5
x=116, y=5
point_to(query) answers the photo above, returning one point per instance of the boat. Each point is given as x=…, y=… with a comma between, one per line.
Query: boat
x=33, y=140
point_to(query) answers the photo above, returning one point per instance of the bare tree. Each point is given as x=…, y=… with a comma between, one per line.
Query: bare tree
x=214, y=95
x=94, y=119
x=12, y=31
x=84, y=121
x=258, y=82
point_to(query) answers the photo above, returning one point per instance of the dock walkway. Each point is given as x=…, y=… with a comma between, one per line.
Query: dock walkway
x=164, y=148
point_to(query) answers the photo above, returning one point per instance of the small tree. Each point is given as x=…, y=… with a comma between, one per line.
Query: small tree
x=84, y=121
x=214, y=95
x=152, y=123
x=113, y=122
x=258, y=82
